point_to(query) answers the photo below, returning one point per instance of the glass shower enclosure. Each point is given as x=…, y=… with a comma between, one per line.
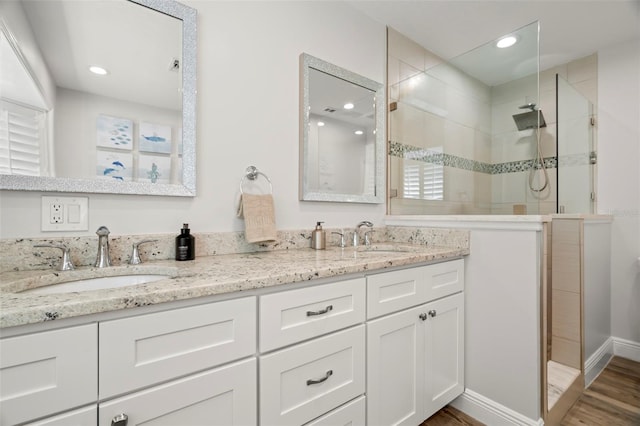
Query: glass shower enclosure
x=576, y=149
x=479, y=134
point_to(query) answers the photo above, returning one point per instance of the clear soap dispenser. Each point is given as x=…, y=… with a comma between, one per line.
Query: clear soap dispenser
x=318, y=237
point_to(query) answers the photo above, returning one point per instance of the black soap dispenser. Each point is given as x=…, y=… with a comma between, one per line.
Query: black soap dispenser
x=185, y=244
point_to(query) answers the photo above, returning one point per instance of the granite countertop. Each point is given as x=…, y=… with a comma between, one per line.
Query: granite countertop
x=205, y=276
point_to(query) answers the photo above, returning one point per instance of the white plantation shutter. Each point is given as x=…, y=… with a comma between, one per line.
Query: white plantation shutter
x=21, y=137
x=424, y=180
x=412, y=180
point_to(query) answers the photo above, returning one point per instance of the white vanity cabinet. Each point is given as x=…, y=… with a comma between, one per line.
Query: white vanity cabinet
x=377, y=349
x=48, y=372
x=415, y=355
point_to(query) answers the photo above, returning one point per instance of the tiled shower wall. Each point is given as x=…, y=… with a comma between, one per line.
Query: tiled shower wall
x=445, y=117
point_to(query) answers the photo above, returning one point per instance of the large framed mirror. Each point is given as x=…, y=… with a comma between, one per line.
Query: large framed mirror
x=342, y=134
x=127, y=128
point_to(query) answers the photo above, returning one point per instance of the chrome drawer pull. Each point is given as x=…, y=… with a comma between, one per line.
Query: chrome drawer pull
x=315, y=382
x=120, y=420
x=432, y=313
x=320, y=312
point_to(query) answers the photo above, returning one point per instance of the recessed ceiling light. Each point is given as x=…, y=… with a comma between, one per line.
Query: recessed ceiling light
x=348, y=106
x=359, y=132
x=98, y=70
x=506, y=42
x=320, y=123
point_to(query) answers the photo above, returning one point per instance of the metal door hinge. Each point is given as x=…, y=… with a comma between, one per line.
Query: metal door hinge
x=593, y=157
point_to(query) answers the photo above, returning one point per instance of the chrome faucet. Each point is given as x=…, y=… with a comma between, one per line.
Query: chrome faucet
x=356, y=236
x=65, y=263
x=103, y=259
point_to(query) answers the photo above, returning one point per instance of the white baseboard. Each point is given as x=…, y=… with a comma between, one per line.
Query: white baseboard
x=626, y=349
x=490, y=412
x=598, y=361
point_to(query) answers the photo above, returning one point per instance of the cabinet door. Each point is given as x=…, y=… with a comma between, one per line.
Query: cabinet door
x=226, y=396
x=48, y=372
x=395, y=368
x=141, y=351
x=444, y=352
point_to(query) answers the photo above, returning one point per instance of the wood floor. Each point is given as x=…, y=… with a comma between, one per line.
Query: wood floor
x=450, y=416
x=613, y=399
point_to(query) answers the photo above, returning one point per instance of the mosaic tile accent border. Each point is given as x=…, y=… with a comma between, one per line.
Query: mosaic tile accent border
x=400, y=150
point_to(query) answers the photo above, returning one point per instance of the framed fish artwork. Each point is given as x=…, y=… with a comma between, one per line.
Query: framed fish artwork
x=114, y=165
x=114, y=132
x=154, y=168
x=154, y=138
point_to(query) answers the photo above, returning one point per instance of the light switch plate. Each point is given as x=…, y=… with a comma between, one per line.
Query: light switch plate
x=65, y=213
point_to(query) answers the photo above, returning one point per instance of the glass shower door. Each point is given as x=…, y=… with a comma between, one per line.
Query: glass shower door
x=576, y=150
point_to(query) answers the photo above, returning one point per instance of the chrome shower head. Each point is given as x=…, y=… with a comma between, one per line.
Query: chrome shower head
x=529, y=119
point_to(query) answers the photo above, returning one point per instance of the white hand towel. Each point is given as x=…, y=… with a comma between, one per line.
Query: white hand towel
x=259, y=217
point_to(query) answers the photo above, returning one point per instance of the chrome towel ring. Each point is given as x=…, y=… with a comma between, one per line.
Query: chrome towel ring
x=252, y=173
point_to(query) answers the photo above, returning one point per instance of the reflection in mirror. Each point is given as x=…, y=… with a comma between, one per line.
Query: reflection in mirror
x=127, y=126
x=342, y=135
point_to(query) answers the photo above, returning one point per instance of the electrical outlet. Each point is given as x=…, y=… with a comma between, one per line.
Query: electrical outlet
x=65, y=213
x=56, y=213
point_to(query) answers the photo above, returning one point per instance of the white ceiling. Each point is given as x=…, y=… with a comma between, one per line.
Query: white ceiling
x=569, y=29
x=136, y=45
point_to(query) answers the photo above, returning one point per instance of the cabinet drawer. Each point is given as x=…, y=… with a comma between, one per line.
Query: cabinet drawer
x=225, y=396
x=396, y=290
x=83, y=417
x=351, y=414
x=292, y=316
x=392, y=291
x=148, y=349
x=305, y=381
x=46, y=373
x=443, y=279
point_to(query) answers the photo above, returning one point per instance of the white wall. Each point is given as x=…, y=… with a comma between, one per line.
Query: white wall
x=248, y=85
x=619, y=179
x=502, y=321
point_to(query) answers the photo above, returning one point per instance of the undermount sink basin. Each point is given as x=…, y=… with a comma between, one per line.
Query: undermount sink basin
x=96, y=284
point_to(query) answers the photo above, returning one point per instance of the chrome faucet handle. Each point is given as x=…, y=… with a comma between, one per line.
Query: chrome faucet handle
x=135, y=253
x=342, y=242
x=65, y=263
x=367, y=239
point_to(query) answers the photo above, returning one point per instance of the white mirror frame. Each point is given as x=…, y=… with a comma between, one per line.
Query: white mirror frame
x=308, y=62
x=188, y=187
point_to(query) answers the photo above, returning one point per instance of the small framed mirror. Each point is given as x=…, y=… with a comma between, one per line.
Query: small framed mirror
x=342, y=134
